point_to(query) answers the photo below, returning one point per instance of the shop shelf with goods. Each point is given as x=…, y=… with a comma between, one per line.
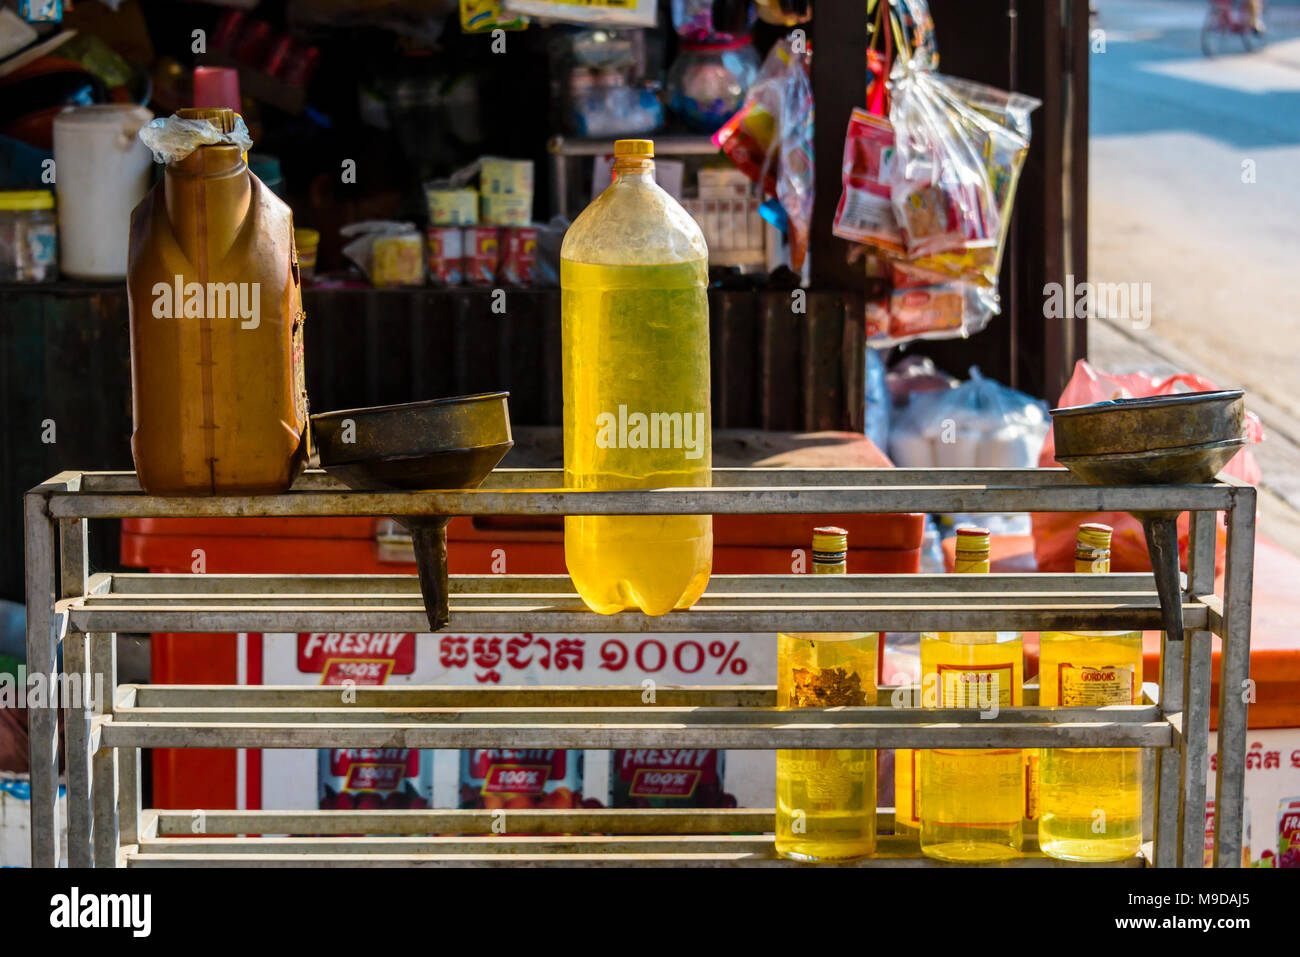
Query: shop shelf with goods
x=107, y=825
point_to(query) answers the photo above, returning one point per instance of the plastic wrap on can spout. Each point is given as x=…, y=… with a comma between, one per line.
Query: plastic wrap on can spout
x=173, y=138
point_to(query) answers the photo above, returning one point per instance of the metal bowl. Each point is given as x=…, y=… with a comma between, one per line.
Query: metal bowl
x=448, y=443
x=1161, y=440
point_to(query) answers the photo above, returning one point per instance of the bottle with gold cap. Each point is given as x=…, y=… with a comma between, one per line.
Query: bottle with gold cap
x=972, y=801
x=217, y=390
x=1090, y=799
x=635, y=321
x=826, y=798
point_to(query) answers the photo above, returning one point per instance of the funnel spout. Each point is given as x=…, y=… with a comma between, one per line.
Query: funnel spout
x=1162, y=545
x=429, y=541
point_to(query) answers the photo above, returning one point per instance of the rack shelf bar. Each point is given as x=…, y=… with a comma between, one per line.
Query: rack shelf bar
x=548, y=604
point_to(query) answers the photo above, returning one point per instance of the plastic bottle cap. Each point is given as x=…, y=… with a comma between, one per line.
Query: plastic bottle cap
x=972, y=538
x=829, y=538
x=1095, y=536
x=26, y=199
x=634, y=147
x=220, y=117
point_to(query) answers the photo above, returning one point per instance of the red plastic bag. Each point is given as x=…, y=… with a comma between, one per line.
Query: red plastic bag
x=1054, y=532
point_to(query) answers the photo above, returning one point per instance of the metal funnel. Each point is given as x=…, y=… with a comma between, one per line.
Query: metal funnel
x=1163, y=440
x=449, y=443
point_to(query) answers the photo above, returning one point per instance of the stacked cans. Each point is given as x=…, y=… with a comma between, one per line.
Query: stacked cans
x=460, y=249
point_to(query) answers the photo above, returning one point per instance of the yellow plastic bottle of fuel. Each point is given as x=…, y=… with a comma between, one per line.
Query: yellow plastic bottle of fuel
x=635, y=313
x=972, y=801
x=826, y=798
x=1090, y=799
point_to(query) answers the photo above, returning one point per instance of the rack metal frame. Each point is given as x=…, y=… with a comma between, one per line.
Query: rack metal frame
x=83, y=612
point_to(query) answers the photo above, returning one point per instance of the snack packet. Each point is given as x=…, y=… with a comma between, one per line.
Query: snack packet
x=865, y=213
x=927, y=305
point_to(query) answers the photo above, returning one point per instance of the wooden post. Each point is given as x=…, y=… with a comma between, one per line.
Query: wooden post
x=839, y=81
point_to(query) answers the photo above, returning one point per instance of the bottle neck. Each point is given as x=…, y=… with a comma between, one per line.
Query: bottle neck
x=1088, y=561
x=831, y=565
x=208, y=194
x=634, y=168
x=971, y=562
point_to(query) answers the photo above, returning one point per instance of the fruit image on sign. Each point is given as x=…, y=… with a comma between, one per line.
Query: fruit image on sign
x=495, y=778
x=1288, y=833
x=668, y=777
x=373, y=778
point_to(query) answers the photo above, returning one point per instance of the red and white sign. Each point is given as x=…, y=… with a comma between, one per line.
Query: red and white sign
x=288, y=777
x=365, y=658
x=499, y=771
x=377, y=769
x=664, y=772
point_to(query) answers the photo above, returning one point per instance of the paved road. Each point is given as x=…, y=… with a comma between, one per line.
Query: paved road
x=1175, y=139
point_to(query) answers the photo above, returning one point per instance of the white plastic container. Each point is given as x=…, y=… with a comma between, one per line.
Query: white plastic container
x=15, y=821
x=101, y=174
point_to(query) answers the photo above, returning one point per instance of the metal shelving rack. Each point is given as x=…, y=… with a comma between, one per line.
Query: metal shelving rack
x=84, y=612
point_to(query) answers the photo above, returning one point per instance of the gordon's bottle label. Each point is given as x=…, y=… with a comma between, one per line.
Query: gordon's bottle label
x=964, y=687
x=1086, y=685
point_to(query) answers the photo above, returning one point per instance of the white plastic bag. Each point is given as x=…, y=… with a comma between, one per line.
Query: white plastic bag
x=979, y=424
x=173, y=138
x=959, y=149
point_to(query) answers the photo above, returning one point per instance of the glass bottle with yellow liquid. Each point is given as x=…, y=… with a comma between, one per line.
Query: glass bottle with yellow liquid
x=635, y=317
x=826, y=798
x=972, y=801
x=1090, y=799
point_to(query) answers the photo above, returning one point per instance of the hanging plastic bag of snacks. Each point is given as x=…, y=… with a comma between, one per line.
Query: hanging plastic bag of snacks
x=929, y=177
x=959, y=149
x=909, y=29
x=923, y=302
x=770, y=139
x=925, y=305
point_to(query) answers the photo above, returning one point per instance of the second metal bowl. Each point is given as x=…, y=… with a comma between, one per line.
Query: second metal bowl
x=1160, y=440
